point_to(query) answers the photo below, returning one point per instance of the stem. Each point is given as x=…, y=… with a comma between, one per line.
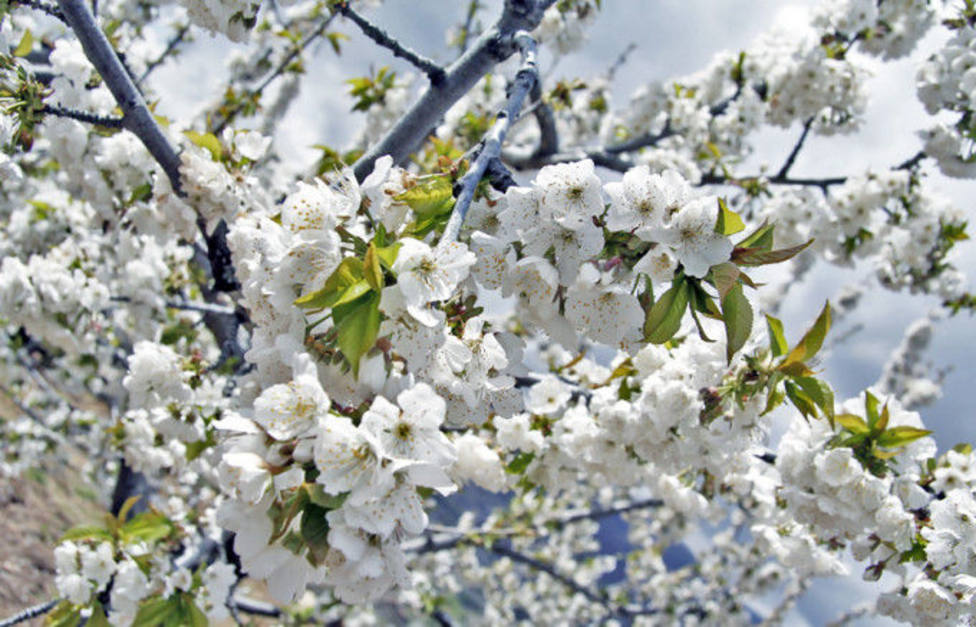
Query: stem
x=491, y=145
x=136, y=115
x=433, y=71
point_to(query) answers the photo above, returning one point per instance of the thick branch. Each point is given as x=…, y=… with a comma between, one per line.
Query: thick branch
x=433, y=71
x=493, y=46
x=491, y=145
x=136, y=115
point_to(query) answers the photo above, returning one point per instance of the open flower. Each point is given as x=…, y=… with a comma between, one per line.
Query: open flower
x=426, y=274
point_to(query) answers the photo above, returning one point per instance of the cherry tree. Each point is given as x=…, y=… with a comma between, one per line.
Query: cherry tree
x=509, y=297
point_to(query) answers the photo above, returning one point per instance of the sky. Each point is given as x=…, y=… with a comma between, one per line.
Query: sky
x=673, y=38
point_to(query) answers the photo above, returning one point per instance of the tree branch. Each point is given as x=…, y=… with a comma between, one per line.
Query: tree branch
x=491, y=144
x=433, y=71
x=278, y=71
x=170, y=47
x=783, y=171
x=82, y=116
x=493, y=46
x=136, y=115
x=29, y=613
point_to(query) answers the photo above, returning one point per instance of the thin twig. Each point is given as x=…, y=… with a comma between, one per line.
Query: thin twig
x=620, y=60
x=491, y=145
x=82, y=116
x=136, y=115
x=910, y=163
x=278, y=71
x=783, y=171
x=170, y=47
x=473, y=7
x=433, y=71
x=209, y=308
x=29, y=613
x=257, y=608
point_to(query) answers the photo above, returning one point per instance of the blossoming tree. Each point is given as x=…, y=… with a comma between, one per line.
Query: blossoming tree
x=506, y=285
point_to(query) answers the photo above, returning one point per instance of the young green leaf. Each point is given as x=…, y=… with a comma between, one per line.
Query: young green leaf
x=371, y=268
x=737, y=314
x=811, y=341
x=430, y=198
x=761, y=238
x=900, y=436
x=728, y=221
x=821, y=393
x=664, y=318
x=349, y=273
x=208, y=141
x=800, y=399
x=25, y=46
x=852, y=423
x=357, y=324
x=777, y=339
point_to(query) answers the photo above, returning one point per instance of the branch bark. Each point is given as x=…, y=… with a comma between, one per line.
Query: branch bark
x=491, y=145
x=136, y=116
x=494, y=45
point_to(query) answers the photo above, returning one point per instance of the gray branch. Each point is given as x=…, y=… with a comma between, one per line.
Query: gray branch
x=136, y=116
x=493, y=46
x=29, y=613
x=82, y=116
x=491, y=145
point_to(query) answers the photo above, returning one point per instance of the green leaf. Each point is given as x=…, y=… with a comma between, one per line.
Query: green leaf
x=852, y=423
x=811, y=341
x=349, y=272
x=871, y=409
x=97, y=618
x=800, y=399
x=26, y=45
x=315, y=531
x=64, y=614
x=147, y=526
x=129, y=504
x=318, y=495
x=777, y=339
x=728, y=222
x=190, y=612
x=156, y=611
x=737, y=314
x=518, y=465
x=371, y=268
x=900, y=436
x=388, y=254
x=664, y=318
x=357, y=324
x=882, y=423
x=760, y=257
x=429, y=198
x=761, y=238
x=820, y=392
x=208, y=141
x=87, y=532
x=724, y=277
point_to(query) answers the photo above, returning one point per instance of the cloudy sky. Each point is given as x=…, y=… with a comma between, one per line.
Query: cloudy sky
x=673, y=38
